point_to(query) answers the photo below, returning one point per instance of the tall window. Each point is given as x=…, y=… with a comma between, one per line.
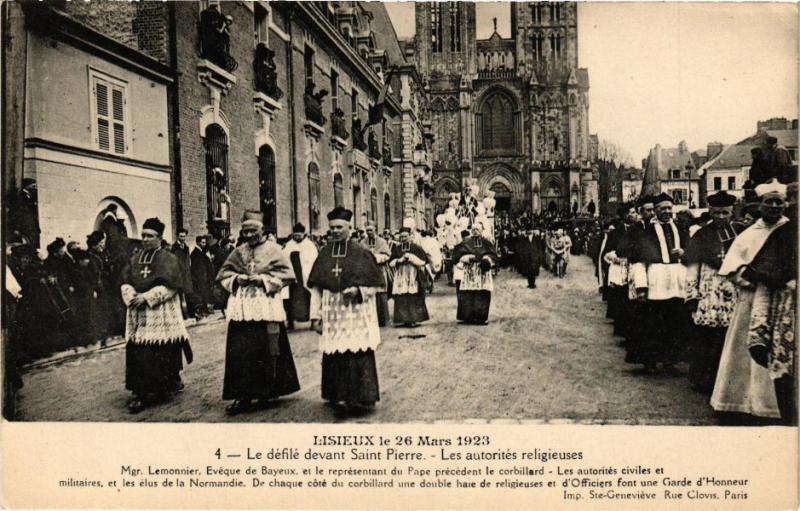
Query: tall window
x=308, y=64
x=373, y=206
x=260, y=25
x=536, y=12
x=338, y=190
x=717, y=183
x=334, y=90
x=216, y=146
x=558, y=11
x=436, y=27
x=266, y=187
x=387, y=211
x=498, y=122
x=313, y=195
x=731, y=182
x=110, y=120
x=354, y=103
x=538, y=47
x=455, y=26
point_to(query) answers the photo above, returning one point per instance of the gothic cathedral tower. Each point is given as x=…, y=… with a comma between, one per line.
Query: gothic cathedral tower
x=509, y=112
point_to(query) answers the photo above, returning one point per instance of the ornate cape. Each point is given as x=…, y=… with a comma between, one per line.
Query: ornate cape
x=150, y=268
x=355, y=268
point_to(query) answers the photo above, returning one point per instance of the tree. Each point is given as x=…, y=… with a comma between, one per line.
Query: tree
x=608, y=150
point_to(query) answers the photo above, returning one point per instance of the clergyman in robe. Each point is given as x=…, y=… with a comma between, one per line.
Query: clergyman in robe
x=343, y=282
x=381, y=250
x=410, y=277
x=258, y=358
x=302, y=253
x=155, y=334
x=477, y=256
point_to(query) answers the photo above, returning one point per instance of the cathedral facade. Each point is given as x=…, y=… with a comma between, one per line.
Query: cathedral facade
x=511, y=113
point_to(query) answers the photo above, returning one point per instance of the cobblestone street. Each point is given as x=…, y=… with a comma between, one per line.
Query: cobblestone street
x=547, y=356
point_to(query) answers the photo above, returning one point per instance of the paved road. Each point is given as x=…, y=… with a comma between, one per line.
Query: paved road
x=547, y=355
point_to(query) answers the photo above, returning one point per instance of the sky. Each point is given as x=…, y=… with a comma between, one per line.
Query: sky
x=666, y=72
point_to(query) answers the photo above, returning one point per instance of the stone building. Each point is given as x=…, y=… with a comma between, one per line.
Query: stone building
x=87, y=117
x=509, y=112
x=281, y=114
x=672, y=171
x=210, y=108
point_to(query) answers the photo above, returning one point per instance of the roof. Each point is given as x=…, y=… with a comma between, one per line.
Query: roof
x=671, y=158
x=733, y=156
x=385, y=35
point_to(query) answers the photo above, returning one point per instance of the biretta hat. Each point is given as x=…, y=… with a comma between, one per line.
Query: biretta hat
x=661, y=198
x=721, y=199
x=340, y=213
x=155, y=225
x=252, y=218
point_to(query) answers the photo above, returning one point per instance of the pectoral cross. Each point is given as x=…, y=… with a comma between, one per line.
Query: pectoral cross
x=336, y=270
x=145, y=272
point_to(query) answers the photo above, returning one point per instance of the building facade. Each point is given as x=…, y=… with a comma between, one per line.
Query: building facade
x=672, y=171
x=196, y=111
x=93, y=94
x=282, y=115
x=511, y=113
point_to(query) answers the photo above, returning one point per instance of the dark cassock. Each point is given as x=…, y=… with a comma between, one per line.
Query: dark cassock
x=616, y=268
x=302, y=253
x=380, y=249
x=530, y=251
x=630, y=309
x=344, y=281
x=772, y=329
x=408, y=290
x=258, y=357
x=87, y=282
x=711, y=296
x=155, y=334
x=477, y=256
x=660, y=278
x=203, y=277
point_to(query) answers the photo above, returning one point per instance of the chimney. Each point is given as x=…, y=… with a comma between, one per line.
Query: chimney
x=713, y=149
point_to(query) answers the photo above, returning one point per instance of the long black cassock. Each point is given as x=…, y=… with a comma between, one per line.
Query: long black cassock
x=408, y=287
x=155, y=333
x=474, y=293
x=258, y=358
x=350, y=332
x=660, y=272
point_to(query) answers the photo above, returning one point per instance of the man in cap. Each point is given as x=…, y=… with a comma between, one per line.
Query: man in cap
x=660, y=278
x=155, y=332
x=380, y=249
x=711, y=296
x=203, y=277
x=302, y=253
x=779, y=162
x=630, y=307
x=742, y=385
x=408, y=260
x=774, y=316
x=258, y=358
x=617, y=269
x=477, y=257
x=343, y=282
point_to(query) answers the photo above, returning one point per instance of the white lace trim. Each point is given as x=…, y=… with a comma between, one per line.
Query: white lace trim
x=252, y=303
x=352, y=327
x=476, y=280
x=161, y=324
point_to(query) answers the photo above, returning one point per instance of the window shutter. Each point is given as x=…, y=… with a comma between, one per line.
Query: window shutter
x=118, y=107
x=101, y=101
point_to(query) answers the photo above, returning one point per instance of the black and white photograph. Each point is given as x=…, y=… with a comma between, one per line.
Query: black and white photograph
x=546, y=213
